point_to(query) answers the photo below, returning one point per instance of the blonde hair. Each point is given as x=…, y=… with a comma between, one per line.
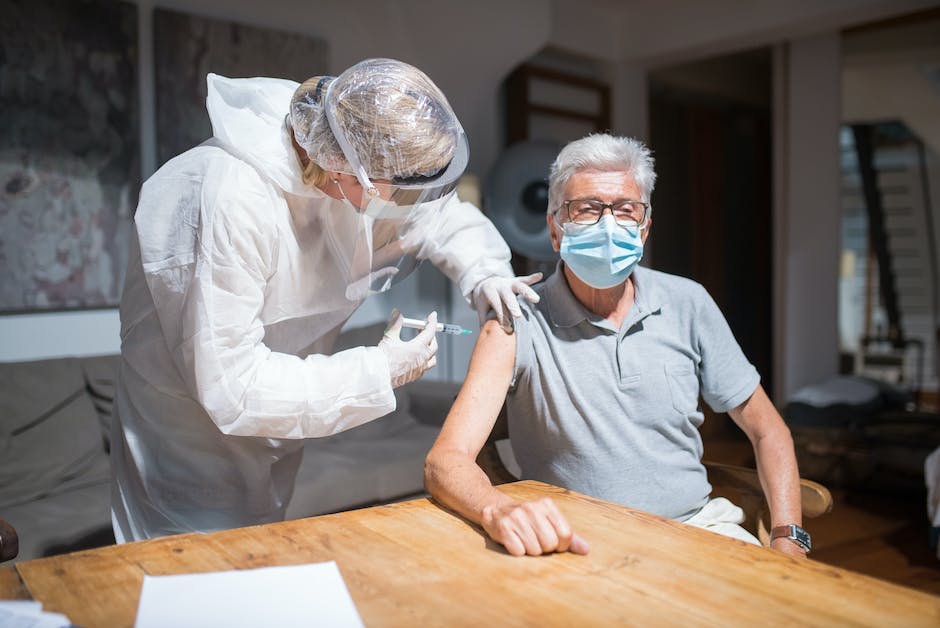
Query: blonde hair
x=314, y=175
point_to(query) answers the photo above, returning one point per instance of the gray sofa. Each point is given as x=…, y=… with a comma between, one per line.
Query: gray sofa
x=55, y=419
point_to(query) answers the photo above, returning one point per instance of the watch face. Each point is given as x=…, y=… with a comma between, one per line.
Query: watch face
x=802, y=537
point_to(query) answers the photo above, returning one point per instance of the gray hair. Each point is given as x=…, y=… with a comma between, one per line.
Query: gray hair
x=604, y=153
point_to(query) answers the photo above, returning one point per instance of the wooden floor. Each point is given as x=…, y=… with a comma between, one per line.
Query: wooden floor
x=881, y=533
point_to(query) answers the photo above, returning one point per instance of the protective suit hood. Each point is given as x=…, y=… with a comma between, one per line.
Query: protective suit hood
x=247, y=116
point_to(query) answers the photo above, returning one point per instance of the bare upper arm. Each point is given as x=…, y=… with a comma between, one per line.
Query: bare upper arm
x=481, y=397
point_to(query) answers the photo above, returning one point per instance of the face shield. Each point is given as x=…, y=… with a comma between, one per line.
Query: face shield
x=397, y=224
x=385, y=123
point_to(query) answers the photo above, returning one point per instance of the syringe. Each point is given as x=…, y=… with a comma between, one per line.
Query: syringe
x=447, y=328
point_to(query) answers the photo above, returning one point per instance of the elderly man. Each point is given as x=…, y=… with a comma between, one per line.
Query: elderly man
x=603, y=377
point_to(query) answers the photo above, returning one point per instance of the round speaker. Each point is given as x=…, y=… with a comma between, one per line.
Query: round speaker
x=515, y=197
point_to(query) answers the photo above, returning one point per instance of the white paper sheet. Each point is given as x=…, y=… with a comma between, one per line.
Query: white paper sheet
x=29, y=614
x=298, y=595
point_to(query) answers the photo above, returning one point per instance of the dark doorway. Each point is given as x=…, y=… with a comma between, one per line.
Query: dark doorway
x=710, y=131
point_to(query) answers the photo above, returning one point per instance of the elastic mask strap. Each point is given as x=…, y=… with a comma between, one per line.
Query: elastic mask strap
x=345, y=146
x=346, y=200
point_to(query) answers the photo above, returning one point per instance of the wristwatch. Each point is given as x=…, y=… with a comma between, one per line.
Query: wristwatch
x=795, y=533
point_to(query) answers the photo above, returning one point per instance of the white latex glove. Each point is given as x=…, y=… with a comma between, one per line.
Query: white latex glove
x=407, y=361
x=499, y=295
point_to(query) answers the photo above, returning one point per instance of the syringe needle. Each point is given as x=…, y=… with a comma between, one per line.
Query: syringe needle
x=447, y=328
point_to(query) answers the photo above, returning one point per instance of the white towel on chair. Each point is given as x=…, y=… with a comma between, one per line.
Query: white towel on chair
x=932, y=478
x=723, y=517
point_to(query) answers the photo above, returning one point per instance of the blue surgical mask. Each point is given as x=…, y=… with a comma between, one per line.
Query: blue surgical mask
x=604, y=254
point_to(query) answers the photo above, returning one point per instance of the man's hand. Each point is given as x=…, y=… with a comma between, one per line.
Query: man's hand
x=532, y=528
x=788, y=547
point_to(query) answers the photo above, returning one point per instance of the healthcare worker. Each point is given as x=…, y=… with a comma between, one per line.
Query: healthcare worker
x=252, y=250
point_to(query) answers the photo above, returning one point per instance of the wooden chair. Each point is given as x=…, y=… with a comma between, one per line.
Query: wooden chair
x=741, y=485
x=9, y=542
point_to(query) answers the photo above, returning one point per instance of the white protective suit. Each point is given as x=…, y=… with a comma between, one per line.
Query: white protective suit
x=232, y=301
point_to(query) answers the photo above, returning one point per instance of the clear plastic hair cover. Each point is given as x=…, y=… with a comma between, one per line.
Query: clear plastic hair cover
x=388, y=124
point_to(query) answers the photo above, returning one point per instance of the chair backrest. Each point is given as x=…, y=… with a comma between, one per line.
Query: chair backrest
x=742, y=486
x=9, y=542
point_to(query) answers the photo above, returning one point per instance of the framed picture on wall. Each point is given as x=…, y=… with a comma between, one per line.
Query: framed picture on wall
x=187, y=47
x=69, y=152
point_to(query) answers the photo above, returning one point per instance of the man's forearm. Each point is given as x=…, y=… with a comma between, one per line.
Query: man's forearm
x=779, y=476
x=773, y=451
x=460, y=484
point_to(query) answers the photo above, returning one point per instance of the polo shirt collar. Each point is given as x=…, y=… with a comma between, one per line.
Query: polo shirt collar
x=648, y=292
x=565, y=310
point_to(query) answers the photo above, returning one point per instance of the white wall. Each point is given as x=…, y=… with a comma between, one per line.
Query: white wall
x=668, y=32
x=52, y=335
x=807, y=212
x=887, y=75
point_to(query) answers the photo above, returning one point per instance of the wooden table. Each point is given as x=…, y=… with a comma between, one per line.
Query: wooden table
x=416, y=564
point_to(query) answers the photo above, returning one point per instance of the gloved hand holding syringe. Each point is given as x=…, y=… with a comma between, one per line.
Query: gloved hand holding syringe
x=447, y=328
x=409, y=359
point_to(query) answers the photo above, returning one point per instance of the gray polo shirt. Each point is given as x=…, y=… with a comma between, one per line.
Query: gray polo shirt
x=614, y=413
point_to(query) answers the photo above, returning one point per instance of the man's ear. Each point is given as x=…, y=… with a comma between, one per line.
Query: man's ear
x=553, y=231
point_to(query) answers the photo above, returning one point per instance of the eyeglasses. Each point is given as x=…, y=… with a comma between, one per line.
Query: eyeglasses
x=588, y=211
